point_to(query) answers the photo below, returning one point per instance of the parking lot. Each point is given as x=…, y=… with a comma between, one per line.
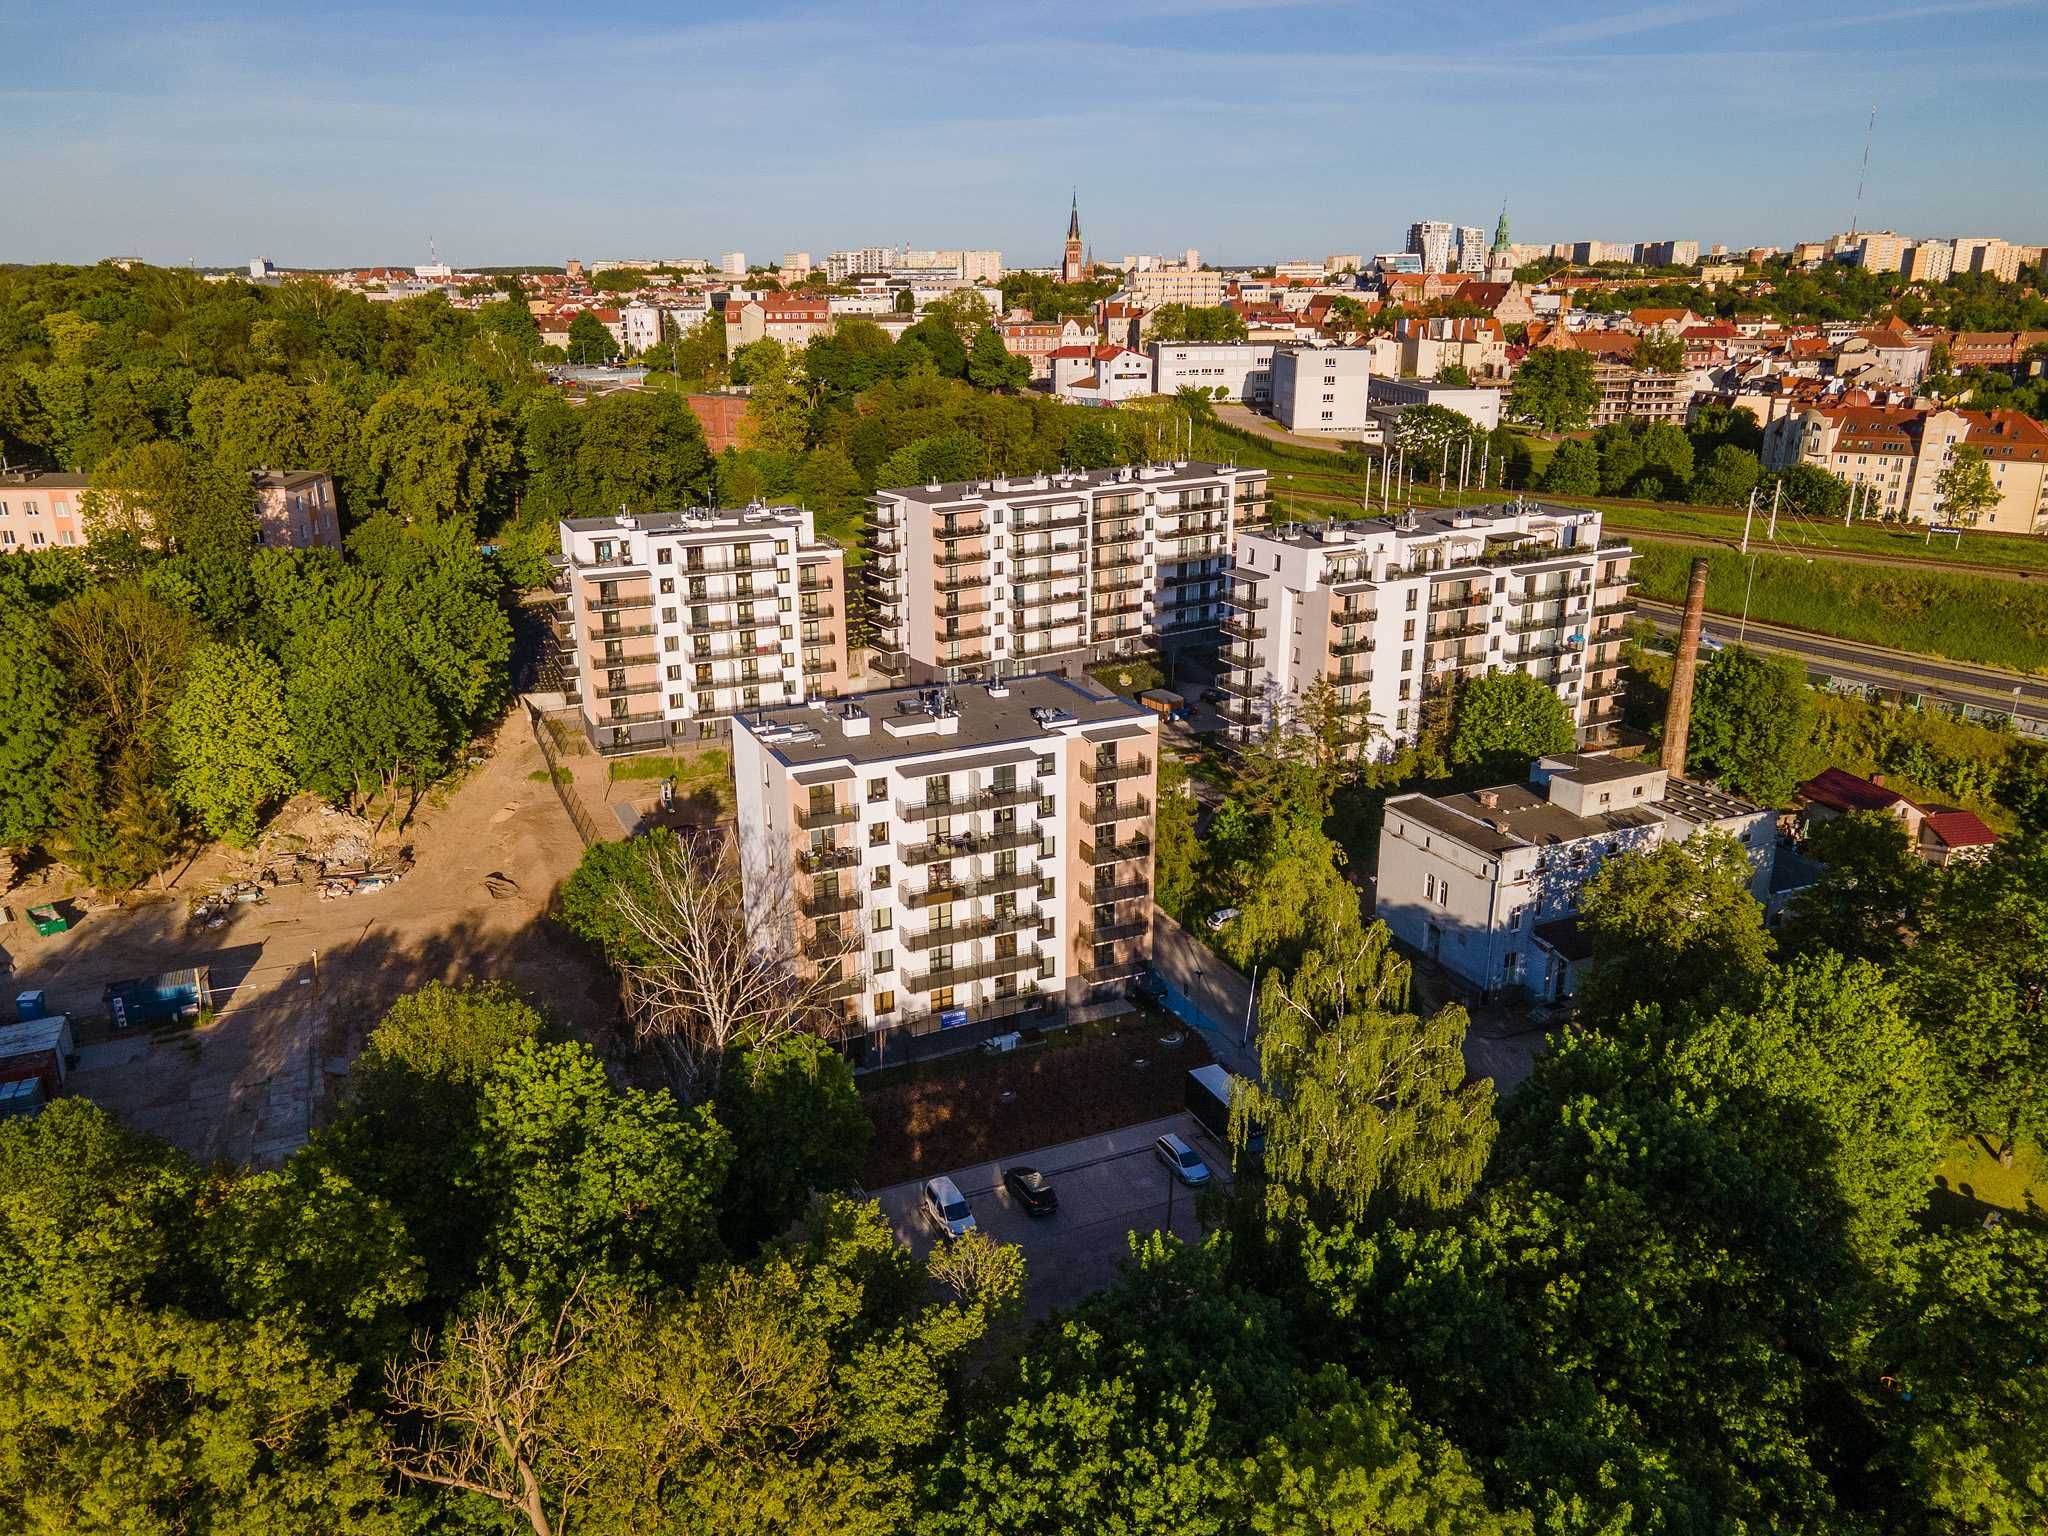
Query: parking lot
x=1108, y=1186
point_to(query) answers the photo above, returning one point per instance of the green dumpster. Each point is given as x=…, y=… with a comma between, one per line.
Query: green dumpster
x=48, y=920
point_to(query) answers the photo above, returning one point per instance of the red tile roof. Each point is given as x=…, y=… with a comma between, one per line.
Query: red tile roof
x=1841, y=790
x=1959, y=829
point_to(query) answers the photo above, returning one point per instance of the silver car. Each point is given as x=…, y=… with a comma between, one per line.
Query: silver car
x=946, y=1209
x=1180, y=1160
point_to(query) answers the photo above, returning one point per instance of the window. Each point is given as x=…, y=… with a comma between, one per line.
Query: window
x=885, y=961
x=668, y=615
x=878, y=791
x=882, y=920
x=885, y=1002
x=1429, y=887
x=1443, y=893
x=664, y=556
x=675, y=674
x=677, y=701
x=878, y=834
x=879, y=880
x=671, y=643
x=1044, y=766
x=668, y=587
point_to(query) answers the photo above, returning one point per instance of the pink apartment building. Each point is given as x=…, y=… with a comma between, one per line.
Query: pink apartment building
x=295, y=509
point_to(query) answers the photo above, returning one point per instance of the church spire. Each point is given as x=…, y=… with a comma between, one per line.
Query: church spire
x=1074, y=217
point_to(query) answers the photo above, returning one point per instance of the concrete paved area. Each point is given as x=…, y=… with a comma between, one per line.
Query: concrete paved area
x=1109, y=1186
x=1233, y=414
x=1223, y=996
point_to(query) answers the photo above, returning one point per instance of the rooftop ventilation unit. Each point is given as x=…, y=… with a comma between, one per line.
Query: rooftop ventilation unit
x=1048, y=716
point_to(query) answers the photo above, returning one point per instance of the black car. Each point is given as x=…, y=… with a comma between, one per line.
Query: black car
x=1032, y=1189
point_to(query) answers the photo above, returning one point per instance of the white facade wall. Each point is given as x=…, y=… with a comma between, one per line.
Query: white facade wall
x=1321, y=389
x=1242, y=369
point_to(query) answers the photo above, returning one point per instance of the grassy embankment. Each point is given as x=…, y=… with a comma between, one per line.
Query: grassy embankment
x=1982, y=619
x=2012, y=551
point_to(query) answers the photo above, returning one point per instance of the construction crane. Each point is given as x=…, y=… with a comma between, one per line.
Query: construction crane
x=1863, y=175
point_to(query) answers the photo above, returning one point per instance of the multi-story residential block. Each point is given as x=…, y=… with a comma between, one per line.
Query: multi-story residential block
x=869, y=260
x=1037, y=340
x=1431, y=239
x=1991, y=258
x=1392, y=612
x=733, y=263
x=1243, y=370
x=39, y=511
x=293, y=508
x=1892, y=458
x=1630, y=393
x=296, y=509
x=1488, y=884
x=1671, y=253
x=671, y=622
x=964, y=861
x=1472, y=249
x=993, y=578
x=1171, y=285
x=1321, y=390
x=792, y=319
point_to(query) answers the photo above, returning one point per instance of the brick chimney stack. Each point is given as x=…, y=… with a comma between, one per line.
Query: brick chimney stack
x=1678, y=713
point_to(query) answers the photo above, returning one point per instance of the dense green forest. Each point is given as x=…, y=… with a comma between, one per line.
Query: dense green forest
x=365, y=672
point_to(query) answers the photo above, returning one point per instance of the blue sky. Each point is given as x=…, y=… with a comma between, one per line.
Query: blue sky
x=340, y=133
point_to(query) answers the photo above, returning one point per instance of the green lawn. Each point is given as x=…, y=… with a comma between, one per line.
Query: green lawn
x=1971, y=1174
x=1983, y=619
x=710, y=769
x=2013, y=551
x=1129, y=676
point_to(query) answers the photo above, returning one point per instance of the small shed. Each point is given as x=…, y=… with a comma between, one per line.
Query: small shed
x=40, y=1049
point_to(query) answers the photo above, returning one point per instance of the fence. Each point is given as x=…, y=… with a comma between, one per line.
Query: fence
x=563, y=780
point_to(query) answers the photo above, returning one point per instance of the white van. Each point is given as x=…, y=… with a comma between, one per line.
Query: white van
x=946, y=1209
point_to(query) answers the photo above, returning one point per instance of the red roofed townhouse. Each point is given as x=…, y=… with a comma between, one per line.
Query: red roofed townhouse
x=792, y=319
x=1897, y=456
x=1984, y=349
x=1101, y=375
x=1938, y=834
x=1037, y=340
x=1663, y=322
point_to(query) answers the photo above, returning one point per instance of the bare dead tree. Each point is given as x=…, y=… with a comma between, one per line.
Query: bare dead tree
x=477, y=1414
x=738, y=964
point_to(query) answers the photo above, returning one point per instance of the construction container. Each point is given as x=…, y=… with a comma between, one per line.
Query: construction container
x=40, y=1049
x=48, y=920
x=31, y=1005
x=21, y=1098
x=171, y=997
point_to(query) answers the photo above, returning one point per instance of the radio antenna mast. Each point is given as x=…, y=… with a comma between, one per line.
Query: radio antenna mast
x=1863, y=175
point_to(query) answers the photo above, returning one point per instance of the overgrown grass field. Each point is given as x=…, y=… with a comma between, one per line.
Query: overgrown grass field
x=1981, y=619
x=2011, y=550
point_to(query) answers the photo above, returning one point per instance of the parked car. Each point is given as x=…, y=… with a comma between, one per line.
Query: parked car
x=1216, y=920
x=947, y=1209
x=1212, y=696
x=1032, y=1190
x=1180, y=1160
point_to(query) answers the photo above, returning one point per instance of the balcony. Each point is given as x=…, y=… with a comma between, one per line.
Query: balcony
x=959, y=583
x=625, y=690
x=1540, y=652
x=1122, y=810
x=629, y=717
x=817, y=611
x=1242, y=717
x=1024, y=1001
x=1237, y=629
x=1608, y=610
x=1111, y=773
x=962, y=557
x=1245, y=598
x=1051, y=524
x=1353, y=647
x=1454, y=632
x=816, y=816
x=830, y=942
x=635, y=659
x=619, y=604
x=962, y=530
x=1460, y=600
x=919, y=897
x=1119, y=563
x=1131, y=928
x=980, y=970
x=1602, y=691
x=984, y=800
x=891, y=666
x=1132, y=585
x=959, y=610
x=968, y=845
x=1116, y=853
x=977, y=928
x=1023, y=627
x=845, y=986
x=1129, y=890
x=813, y=860
x=979, y=632
x=830, y=903
x=1239, y=658
x=964, y=659
x=1108, y=535
x=622, y=632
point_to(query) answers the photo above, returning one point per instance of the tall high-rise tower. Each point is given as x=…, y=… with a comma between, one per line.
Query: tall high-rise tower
x=1074, y=265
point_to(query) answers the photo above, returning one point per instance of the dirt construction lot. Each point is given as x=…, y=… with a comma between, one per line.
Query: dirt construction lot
x=298, y=980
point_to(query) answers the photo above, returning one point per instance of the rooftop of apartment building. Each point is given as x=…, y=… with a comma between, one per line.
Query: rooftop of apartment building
x=1414, y=525
x=1065, y=482
x=717, y=520
x=45, y=479
x=1531, y=814
x=917, y=722
x=285, y=479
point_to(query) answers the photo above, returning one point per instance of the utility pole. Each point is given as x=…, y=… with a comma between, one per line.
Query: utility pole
x=1771, y=533
x=1746, y=516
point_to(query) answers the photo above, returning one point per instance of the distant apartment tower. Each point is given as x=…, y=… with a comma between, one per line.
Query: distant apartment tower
x=1929, y=261
x=1321, y=390
x=994, y=578
x=1431, y=240
x=868, y=261
x=1169, y=285
x=1882, y=251
x=965, y=861
x=671, y=622
x=293, y=509
x=1671, y=253
x=1393, y=612
x=1472, y=249
x=1991, y=258
x=733, y=263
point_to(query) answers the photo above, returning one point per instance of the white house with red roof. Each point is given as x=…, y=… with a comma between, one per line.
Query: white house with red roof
x=1100, y=375
x=1937, y=833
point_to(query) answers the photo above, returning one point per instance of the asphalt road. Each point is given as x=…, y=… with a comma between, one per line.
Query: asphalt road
x=1849, y=661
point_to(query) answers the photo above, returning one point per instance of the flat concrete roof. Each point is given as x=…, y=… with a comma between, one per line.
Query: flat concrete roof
x=1521, y=818
x=1595, y=767
x=1066, y=483
x=983, y=722
x=722, y=520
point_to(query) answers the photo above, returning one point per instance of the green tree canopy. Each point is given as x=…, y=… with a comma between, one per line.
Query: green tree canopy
x=1554, y=390
x=1675, y=921
x=1504, y=721
x=231, y=740
x=1751, y=715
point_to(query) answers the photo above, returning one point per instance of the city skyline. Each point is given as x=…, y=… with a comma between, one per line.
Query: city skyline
x=1249, y=129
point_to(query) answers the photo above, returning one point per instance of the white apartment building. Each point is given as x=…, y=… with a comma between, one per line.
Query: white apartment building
x=1100, y=375
x=1479, y=405
x=640, y=327
x=1321, y=390
x=965, y=861
x=1472, y=248
x=733, y=263
x=1993, y=258
x=995, y=578
x=1929, y=261
x=1169, y=285
x=868, y=261
x=1431, y=240
x=1393, y=612
x=1241, y=369
x=1488, y=884
x=673, y=621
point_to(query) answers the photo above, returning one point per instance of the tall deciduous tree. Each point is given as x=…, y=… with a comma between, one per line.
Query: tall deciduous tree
x=438, y=451
x=230, y=740
x=1504, y=721
x=1870, y=891
x=1751, y=716
x=1554, y=390
x=31, y=723
x=590, y=340
x=1673, y=922
x=1964, y=490
x=642, y=450
x=1573, y=470
x=797, y=1128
